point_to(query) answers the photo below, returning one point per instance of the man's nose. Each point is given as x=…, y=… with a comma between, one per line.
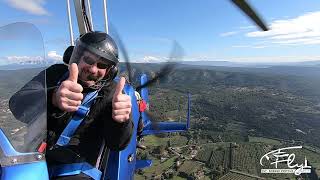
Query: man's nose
x=93, y=68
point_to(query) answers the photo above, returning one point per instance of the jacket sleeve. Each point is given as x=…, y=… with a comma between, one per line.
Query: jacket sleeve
x=117, y=135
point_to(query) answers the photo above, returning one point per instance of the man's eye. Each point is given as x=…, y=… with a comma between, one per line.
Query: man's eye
x=102, y=66
x=88, y=60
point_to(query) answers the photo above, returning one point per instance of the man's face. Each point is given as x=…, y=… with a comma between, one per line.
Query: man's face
x=91, y=69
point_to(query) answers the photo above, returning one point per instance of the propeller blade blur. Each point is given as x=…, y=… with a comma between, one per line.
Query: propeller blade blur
x=167, y=69
x=248, y=10
x=176, y=54
x=124, y=52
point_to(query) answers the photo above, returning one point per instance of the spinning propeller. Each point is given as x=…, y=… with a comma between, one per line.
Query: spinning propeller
x=168, y=67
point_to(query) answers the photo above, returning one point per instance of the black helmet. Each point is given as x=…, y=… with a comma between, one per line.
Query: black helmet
x=98, y=43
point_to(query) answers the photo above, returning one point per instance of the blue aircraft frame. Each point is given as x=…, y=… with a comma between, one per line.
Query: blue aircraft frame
x=122, y=165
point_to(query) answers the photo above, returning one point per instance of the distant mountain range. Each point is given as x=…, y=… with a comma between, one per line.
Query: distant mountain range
x=253, y=64
x=310, y=69
x=306, y=69
x=29, y=64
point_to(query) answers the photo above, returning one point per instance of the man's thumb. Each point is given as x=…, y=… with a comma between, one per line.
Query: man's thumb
x=73, y=72
x=120, y=86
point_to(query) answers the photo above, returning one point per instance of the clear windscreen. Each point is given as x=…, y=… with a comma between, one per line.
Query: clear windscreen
x=22, y=86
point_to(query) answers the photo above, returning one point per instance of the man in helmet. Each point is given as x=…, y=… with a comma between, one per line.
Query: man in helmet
x=92, y=68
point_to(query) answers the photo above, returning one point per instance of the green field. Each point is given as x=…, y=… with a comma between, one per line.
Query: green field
x=153, y=141
x=157, y=168
x=269, y=141
x=178, y=178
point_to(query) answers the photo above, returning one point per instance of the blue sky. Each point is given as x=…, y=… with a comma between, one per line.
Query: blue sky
x=206, y=29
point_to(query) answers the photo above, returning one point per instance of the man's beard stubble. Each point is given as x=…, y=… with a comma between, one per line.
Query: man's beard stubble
x=89, y=77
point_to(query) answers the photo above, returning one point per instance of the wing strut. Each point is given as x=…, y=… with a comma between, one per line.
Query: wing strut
x=105, y=11
x=70, y=23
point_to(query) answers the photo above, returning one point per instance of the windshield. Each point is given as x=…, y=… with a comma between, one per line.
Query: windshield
x=22, y=88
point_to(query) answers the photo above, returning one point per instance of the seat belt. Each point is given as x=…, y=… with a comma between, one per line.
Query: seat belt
x=77, y=118
x=64, y=139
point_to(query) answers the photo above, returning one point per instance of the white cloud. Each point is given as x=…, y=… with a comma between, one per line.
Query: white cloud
x=230, y=33
x=54, y=56
x=154, y=59
x=299, y=41
x=23, y=58
x=257, y=45
x=31, y=6
x=150, y=58
x=301, y=30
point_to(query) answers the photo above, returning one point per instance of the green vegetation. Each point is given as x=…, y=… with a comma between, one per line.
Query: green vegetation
x=171, y=140
x=235, y=176
x=237, y=115
x=139, y=177
x=155, y=141
x=177, y=178
x=270, y=141
x=158, y=168
x=189, y=167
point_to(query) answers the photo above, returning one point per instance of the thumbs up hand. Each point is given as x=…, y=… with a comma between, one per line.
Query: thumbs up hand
x=68, y=96
x=121, y=103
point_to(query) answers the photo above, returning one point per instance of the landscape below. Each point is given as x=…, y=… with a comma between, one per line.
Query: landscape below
x=237, y=116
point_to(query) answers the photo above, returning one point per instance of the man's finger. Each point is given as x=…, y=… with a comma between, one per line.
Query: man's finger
x=122, y=111
x=121, y=118
x=73, y=103
x=75, y=87
x=75, y=96
x=121, y=105
x=120, y=86
x=73, y=72
x=122, y=98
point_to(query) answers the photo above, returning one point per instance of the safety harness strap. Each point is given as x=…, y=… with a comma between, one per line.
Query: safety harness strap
x=64, y=139
x=74, y=169
x=77, y=118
